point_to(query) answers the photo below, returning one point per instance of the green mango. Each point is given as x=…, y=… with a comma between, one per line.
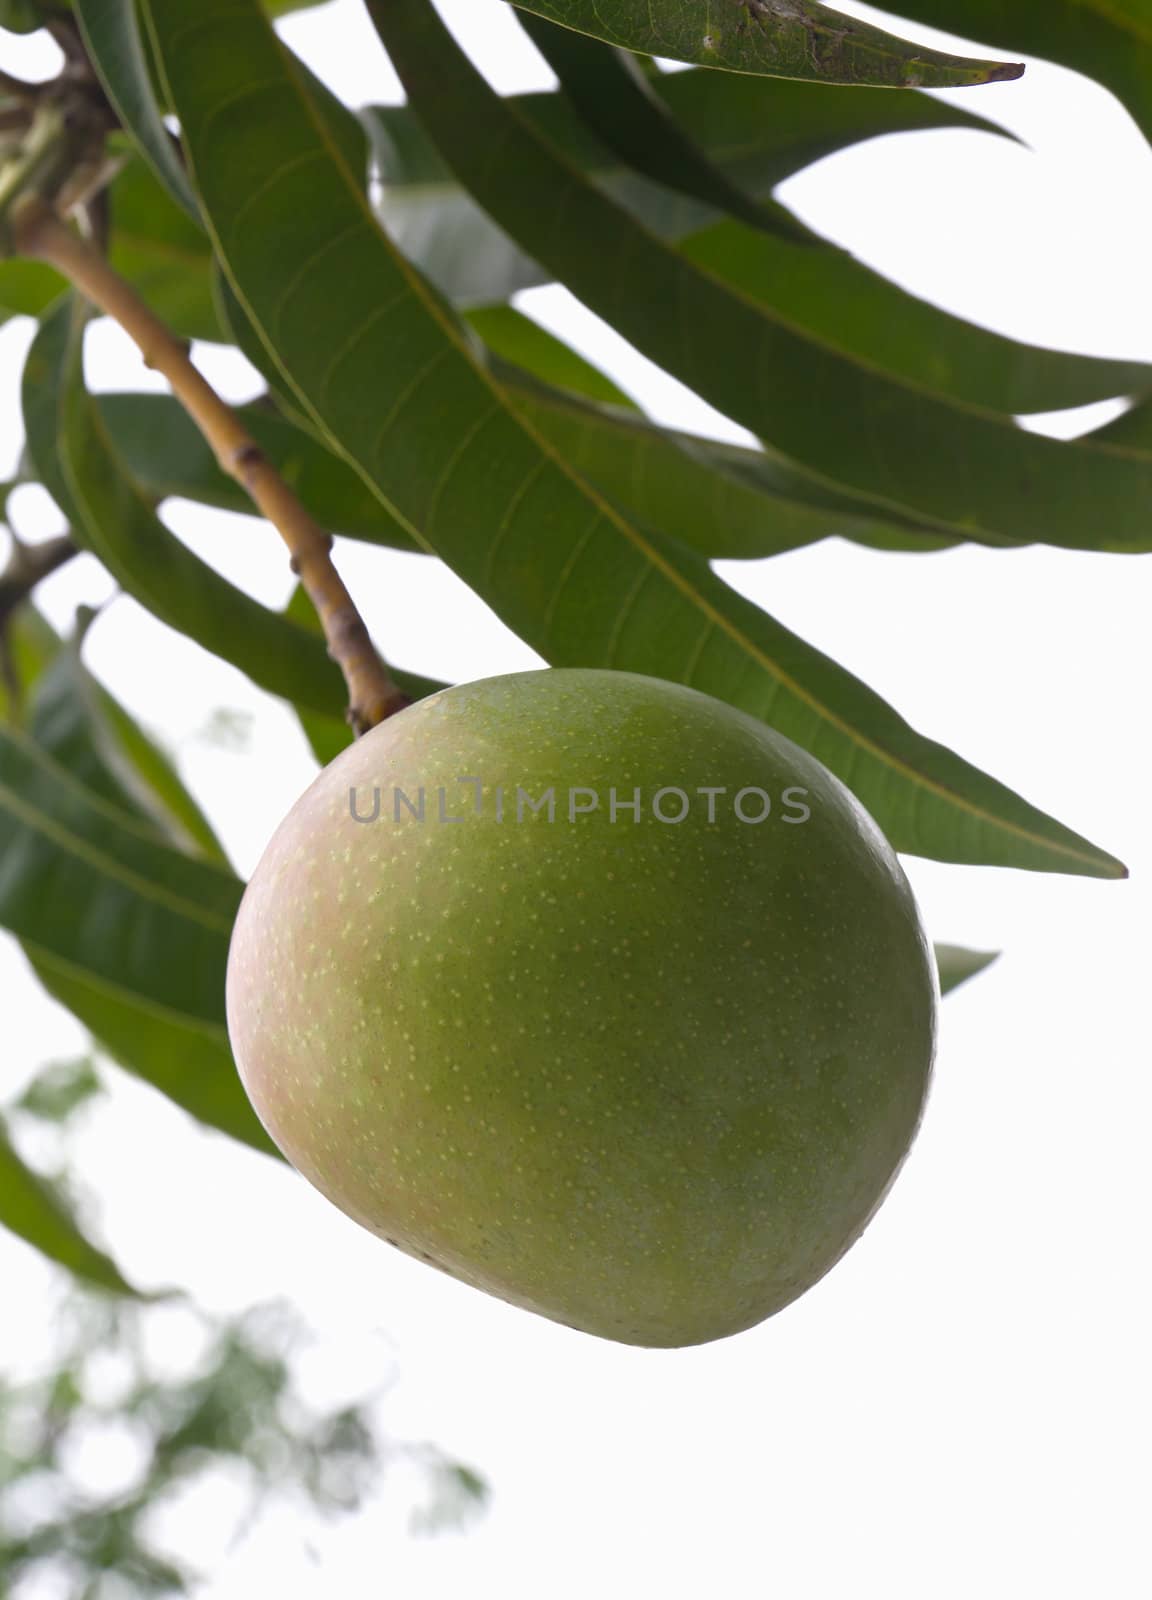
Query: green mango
x=596, y=993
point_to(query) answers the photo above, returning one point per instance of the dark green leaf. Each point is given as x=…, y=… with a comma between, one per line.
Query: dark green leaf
x=31, y=1208
x=757, y=131
x=87, y=730
x=779, y=38
x=162, y=253
x=1132, y=430
x=167, y=454
x=891, y=441
x=817, y=286
x=858, y=312
x=189, y=1062
x=27, y=288
x=112, y=518
x=82, y=883
x=720, y=500
x=246, y=338
x=64, y=720
x=957, y=965
x=32, y=644
x=378, y=360
x=621, y=105
x=524, y=344
x=111, y=30
x=1109, y=40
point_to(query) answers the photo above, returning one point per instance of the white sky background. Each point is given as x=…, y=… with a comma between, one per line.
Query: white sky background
x=963, y=1405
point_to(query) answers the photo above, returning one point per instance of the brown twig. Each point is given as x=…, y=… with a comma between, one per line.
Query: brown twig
x=29, y=565
x=372, y=695
x=17, y=88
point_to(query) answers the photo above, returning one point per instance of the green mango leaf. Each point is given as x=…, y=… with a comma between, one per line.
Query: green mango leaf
x=819, y=287
x=111, y=517
x=720, y=500
x=83, y=883
x=1109, y=40
x=27, y=288
x=162, y=448
x=779, y=38
x=756, y=131
x=871, y=434
x=861, y=314
x=82, y=726
x=523, y=346
x=31, y=1208
x=162, y=253
x=117, y=49
x=377, y=359
x=189, y=1062
x=1132, y=430
x=956, y=965
x=64, y=721
x=32, y=645
x=723, y=501
x=244, y=336
x=185, y=823
x=621, y=105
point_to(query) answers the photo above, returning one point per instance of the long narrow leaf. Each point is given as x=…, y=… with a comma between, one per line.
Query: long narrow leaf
x=111, y=30
x=837, y=416
x=85, y=885
x=720, y=500
x=188, y=1062
x=849, y=307
x=723, y=501
x=167, y=454
x=1109, y=40
x=781, y=38
x=756, y=131
x=378, y=361
x=87, y=730
x=621, y=106
x=32, y=1209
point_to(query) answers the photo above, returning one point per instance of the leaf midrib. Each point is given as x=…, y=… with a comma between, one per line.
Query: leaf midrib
x=434, y=308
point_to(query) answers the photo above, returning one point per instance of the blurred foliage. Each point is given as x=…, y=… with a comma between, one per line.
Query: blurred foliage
x=102, y=1391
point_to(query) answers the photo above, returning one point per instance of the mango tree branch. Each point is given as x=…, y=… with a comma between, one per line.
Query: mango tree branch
x=29, y=565
x=16, y=88
x=38, y=231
